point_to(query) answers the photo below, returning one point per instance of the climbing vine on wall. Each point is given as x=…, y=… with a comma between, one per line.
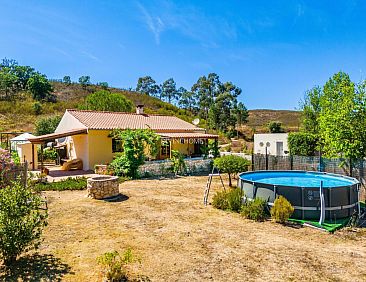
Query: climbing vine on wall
x=137, y=145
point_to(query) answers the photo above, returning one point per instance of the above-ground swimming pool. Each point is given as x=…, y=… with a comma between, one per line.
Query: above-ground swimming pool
x=303, y=190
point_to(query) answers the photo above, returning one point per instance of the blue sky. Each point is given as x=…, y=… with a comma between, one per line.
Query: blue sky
x=273, y=50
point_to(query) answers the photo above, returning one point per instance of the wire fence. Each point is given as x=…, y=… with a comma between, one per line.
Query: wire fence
x=356, y=169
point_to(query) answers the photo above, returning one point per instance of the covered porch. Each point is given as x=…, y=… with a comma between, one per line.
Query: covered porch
x=190, y=144
x=49, y=140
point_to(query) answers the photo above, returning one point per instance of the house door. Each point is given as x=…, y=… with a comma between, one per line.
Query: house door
x=279, y=148
x=197, y=148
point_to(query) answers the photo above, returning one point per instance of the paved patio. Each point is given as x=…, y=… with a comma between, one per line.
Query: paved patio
x=56, y=174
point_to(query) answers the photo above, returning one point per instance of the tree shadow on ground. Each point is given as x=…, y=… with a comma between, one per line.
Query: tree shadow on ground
x=35, y=267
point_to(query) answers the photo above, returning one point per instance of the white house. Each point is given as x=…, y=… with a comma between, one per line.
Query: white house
x=274, y=143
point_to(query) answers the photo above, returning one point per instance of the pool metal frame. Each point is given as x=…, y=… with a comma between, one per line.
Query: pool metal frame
x=339, y=202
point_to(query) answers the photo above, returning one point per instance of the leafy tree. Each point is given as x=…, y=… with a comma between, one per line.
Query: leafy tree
x=342, y=118
x=242, y=114
x=8, y=63
x=221, y=114
x=47, y=125
x=302, y=143
x=217, y=102
x=146, y=85
x=187, y=99
x=206, y=89
x=104, y=85
x=104, y=100
x=84, y=81
x=169, y=90
x=21, y=221
x=275, y=127
x=40, y=88
x=23, y=73
x=231, y=164
x=67, y=79
x=137, y=144
x=310, y=107
x=8, y=83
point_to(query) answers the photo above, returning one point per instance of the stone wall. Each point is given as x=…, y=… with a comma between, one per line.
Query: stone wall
x=101, y=187
x=197, y=166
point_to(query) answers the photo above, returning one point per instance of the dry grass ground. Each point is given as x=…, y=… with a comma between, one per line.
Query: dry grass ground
x=178, y=239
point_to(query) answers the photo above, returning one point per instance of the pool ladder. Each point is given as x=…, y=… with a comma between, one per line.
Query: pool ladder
x=215, y=172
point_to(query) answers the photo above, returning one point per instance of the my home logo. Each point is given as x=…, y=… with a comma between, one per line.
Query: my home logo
x=184, y=141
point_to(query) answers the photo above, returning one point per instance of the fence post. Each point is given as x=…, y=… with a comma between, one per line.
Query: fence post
x=350, y=167
x=291, y=163
x=25, y=173
x=253, y=168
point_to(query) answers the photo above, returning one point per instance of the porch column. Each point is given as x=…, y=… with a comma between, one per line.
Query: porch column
x=170, y=148
x=33, y=157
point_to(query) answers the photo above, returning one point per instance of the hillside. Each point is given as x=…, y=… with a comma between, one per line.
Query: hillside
x=20, y=115
x=258, y=119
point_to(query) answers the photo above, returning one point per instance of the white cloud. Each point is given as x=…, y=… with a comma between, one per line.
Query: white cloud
x=90, y=56
x=154, y=24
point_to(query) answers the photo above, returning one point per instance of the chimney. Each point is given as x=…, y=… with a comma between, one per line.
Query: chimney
x=140, y=109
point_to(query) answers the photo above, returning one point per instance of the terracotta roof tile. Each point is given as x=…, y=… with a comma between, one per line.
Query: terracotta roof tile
x=187, y=135
x=117, y=120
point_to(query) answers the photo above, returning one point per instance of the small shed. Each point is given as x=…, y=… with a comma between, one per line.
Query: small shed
x=20, y=139
x=24, y=148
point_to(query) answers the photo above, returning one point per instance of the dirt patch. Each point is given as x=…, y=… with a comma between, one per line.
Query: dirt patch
x=178, y=239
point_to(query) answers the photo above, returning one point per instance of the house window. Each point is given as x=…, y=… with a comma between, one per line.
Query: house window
x=117, y=145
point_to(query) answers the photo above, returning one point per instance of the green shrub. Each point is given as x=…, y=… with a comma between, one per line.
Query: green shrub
x=219, y=201
x=234, y=199
x=48, y=154
x=255, y=209
x=178, y=164
x=281, y=210
x=275, y=127
x=21, y=221
x=37, y=108
x=231, y=200
x=15, y=157
x=114, y=265
x=79, y=183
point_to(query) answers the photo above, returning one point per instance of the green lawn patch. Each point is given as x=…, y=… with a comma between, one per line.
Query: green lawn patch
x=79, y=183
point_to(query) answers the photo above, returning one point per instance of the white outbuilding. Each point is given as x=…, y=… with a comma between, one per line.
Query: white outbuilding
x=274, y=144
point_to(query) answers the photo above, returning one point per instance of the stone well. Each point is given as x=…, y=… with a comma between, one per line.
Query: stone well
x=104, y=186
